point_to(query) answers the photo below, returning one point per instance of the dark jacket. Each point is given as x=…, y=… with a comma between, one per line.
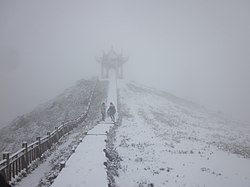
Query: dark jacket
x=112, y=110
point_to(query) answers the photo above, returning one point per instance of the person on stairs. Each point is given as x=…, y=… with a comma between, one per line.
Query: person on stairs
x=103, y=111
x=112, y=111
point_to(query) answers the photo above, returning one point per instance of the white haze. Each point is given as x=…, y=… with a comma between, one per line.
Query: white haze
x=198, y=50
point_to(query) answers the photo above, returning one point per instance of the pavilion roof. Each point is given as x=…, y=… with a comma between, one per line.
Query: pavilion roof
x=112, y=56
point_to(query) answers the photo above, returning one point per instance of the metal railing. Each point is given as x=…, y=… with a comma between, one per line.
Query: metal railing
x=18, y=163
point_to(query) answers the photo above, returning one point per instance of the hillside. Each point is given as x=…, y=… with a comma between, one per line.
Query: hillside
x=161, y=140
x=158, y=140
x=68, y=105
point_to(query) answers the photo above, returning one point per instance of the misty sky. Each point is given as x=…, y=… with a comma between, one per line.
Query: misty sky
x=198, y=50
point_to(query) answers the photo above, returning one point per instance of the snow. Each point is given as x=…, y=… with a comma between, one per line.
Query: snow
x=86, y=166
x=34, y=178
x=87, y=163
x=161, y=142
x=164, y=143
x=44, y=118
x=48, y=170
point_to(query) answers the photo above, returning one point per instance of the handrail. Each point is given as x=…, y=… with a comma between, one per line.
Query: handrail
x=13, y=165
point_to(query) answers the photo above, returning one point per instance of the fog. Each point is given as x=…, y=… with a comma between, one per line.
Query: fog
x=197, y=50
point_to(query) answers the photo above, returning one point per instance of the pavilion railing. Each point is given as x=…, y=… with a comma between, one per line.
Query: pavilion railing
x=19, y=163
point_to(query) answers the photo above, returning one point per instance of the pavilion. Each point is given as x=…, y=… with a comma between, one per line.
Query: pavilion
x=112, y=60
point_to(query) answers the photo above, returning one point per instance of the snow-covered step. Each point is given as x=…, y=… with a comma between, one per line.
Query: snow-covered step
x=85, y=167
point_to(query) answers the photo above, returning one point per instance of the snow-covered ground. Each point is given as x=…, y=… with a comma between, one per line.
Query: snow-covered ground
x=49, y=168
x=67, y=106
x=159, y=140
x=35, y=177
x=86, y=166
x=164, y=141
